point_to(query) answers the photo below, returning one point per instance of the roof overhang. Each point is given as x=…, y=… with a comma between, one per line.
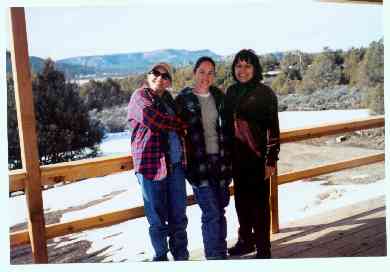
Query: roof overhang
x=375, y=2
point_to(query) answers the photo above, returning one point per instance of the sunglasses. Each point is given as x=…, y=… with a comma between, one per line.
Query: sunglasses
x=157, y=73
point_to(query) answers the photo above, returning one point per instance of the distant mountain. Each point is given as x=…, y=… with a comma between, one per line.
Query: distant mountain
x=124, y=64
x=37, y=65
x=8, y=62
x=118, y=64
x=136, y=63
x=279, y=55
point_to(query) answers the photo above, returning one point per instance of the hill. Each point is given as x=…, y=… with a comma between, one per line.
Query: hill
x=136, y=63
x=37, y=64
x=119, y=64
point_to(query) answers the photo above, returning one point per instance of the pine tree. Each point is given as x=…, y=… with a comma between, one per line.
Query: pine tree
x=64, y=129
x=371, y=78
x=324, y=72
x=14, y=159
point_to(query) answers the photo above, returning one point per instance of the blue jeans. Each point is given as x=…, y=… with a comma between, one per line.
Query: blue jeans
x=165, y=204
x=212, y=200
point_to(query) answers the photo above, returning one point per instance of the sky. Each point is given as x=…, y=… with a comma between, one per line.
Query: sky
x=224, y=27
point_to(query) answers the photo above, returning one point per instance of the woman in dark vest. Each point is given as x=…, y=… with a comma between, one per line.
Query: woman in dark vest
x=209, y=160
x=252, y=115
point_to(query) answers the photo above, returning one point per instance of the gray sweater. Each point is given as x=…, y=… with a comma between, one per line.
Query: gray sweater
x=209, y=122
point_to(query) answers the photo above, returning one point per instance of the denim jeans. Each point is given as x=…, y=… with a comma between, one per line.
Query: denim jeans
x=165, y=209
x=212, y=200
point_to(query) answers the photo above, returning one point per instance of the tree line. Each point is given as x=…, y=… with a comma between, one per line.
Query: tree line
x=304, y=73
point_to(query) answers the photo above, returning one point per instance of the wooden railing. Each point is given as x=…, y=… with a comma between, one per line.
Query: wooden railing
x=83, y=169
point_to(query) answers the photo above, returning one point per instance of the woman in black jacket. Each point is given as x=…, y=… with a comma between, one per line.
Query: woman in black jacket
x=252, y=116
x=209, y=160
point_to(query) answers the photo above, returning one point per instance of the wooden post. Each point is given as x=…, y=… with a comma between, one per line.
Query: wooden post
x=274, y=209
x=27, y=134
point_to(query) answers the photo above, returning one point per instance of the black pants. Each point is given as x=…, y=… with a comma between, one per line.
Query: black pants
x=251, y=194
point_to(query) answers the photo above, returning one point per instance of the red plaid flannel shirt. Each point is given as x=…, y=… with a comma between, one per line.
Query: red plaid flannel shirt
x=150, y=123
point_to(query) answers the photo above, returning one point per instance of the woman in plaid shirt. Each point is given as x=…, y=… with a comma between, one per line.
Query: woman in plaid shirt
x=159, y=161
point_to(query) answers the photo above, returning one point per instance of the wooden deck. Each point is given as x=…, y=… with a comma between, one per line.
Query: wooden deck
x=354, y=230
x=357, y=230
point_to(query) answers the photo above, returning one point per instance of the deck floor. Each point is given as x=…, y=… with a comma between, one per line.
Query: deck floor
x=351, y=231
x=354, y=230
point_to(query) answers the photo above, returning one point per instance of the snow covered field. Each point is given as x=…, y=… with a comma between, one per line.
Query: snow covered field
x=118, y=143
x=129, y=240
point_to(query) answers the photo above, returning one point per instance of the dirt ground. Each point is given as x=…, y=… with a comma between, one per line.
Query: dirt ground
x=309, y=153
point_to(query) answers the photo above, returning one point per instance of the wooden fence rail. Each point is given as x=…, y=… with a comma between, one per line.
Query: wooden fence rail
x=331, y=128
x=73, y=171
x=329, y=168
x=88, y=168
x=83, y=169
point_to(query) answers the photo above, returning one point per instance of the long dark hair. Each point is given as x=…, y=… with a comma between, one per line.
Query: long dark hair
x=249, y=56
x=203, y=59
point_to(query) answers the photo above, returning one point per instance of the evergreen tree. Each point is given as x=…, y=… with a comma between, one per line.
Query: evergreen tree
x=371, y=73
x=324, y=72
x=278, y=83
x=352, y=59
x=64, y=129
x=104, y=94
x=371, y=78
x=14, y=156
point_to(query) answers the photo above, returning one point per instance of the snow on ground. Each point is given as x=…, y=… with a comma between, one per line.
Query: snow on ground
x=296, y=119
x=119, y=143
x=130, y=241
x=115, y=144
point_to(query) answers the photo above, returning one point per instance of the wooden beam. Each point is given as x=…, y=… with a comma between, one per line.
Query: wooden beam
x=326, y=129
x=329, y=168
x=60, y=229
x=103, y=220
x=27, y=134
x=274, y=204
x=82, y=169
x=17, y=180
x=370, y=2
x=73, y=171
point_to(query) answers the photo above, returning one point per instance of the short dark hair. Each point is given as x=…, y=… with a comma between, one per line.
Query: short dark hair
x=249, y=56
x=203, y=59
